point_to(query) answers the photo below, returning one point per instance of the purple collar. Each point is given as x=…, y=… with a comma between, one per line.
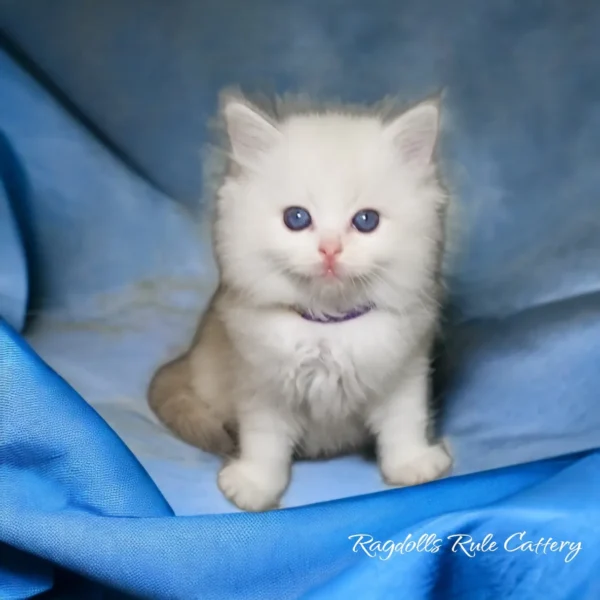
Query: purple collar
x=353, y=314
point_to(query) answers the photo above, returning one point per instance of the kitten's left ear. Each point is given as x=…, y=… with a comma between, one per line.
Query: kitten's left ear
x=414, y=133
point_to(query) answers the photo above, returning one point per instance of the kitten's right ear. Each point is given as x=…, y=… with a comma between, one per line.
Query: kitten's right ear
x=251, y=135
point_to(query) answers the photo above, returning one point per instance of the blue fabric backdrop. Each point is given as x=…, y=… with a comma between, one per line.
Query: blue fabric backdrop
x=103, y=110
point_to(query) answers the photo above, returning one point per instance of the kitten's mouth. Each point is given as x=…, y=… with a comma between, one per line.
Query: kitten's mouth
x=331, y=291
x=330, y=273
x=329, y=276
x=320, y=274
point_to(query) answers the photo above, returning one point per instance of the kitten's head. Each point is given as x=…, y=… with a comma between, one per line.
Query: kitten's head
x=329, y=211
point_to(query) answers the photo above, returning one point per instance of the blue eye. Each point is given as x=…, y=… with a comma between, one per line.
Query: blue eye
x=366, y=220
x=296, y=218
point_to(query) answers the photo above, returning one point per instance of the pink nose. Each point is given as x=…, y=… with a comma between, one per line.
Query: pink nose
x=330, y=249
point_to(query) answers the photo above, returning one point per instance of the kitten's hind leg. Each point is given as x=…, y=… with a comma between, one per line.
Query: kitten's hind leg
x=196, y=420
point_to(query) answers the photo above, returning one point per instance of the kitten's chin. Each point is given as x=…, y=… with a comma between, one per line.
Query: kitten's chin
x=330, y=278
x=338, y=281
x=316, y=280
x=332, y=294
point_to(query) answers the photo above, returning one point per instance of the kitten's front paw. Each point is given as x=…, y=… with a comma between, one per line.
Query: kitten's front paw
x=252, y=486
x=430, y=463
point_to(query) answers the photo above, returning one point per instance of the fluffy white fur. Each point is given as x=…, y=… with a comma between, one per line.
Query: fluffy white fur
x=278, y=384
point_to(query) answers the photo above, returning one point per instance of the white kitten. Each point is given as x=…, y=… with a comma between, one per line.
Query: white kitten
x=328, y=235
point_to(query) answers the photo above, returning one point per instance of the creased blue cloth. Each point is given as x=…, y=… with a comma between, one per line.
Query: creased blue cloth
x=73, y=498
x=13, y=267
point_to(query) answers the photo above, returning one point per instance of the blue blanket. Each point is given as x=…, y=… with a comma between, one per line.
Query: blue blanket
x=98, y=165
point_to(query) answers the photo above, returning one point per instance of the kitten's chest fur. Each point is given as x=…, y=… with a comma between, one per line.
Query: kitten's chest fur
x=324, y=375
x=326, y=370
